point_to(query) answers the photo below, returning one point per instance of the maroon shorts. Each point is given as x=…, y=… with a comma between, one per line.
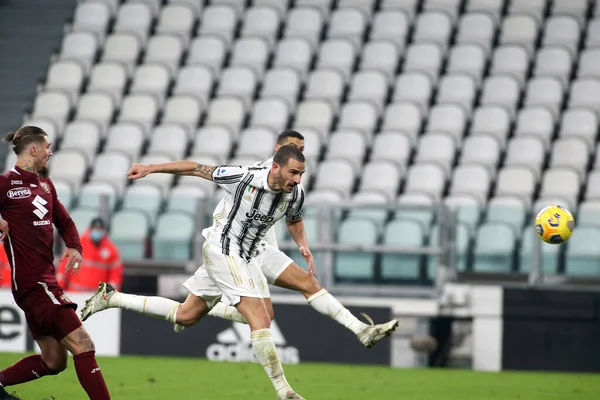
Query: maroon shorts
x=49, y=312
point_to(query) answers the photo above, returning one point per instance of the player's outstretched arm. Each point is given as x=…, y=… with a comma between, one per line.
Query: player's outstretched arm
x=192, y=168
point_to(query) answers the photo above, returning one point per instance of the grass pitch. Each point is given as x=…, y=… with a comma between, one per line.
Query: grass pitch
x=157, y=378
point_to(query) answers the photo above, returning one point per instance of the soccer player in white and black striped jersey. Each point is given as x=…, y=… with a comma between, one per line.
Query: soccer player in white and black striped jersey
x=256, y=198
x=280, y=270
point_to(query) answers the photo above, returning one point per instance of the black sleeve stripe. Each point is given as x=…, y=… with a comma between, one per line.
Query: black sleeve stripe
x=221, y=179
x=256, y=168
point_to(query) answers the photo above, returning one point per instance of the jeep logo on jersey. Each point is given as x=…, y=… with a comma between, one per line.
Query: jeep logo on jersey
x=19, y=193
x=234, y=345
x=259, y=217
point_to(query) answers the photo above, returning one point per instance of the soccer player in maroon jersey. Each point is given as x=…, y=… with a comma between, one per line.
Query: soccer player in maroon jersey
x=29, y=207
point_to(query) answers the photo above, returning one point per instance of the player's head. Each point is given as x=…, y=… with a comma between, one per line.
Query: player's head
x=290, y=136
x=97, y=229
x=31, y=144
x=288, y=167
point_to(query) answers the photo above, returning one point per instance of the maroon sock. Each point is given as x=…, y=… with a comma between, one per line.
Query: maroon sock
x=25, y=370
x=90, y=376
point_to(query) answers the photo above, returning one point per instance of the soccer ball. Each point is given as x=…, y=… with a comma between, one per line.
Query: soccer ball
x=554, y=224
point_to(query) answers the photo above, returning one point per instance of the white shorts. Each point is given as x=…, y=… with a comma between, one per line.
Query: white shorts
x=272, y=263
x=225, y=278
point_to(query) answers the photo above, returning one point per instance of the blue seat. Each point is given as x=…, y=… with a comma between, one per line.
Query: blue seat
x=416, y=206
x=468, y=208
x=354, y=265
x=406, y=233
x=91, y=193
x=129, y=232
x=550, y=252
x=83, y=217
x=311, y=227
x=509, y=209
x=494, y=248
x=65, y=193
x=463, y=244
x=583, y=252
x=173, y=237
x=589, y=211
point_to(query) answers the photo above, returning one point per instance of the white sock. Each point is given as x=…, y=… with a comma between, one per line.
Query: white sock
x=326, y=304
x=227, y=312
x=266, y=353
x=158, y=307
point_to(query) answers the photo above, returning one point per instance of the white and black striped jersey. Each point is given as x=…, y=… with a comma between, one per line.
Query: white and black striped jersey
x=270, y=236
x=249, y=209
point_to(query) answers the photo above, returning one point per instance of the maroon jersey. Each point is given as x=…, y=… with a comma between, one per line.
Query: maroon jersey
x=30, y=205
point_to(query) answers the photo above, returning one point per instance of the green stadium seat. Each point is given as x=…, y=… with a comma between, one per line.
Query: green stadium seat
x=494, y=247
x=467, y=206
x=356, y=264
x=83, y=217
x=173, y=237
x=129, y=231
x=147, y=198
x=185, y=198
x=90, y=194
x=550, y=252
x=406, y=233
x=311, y=227
x=589, y=211
x=425, y=214
x=65, y=193
x=509, y=209
x=463, y=245
x=582, y=251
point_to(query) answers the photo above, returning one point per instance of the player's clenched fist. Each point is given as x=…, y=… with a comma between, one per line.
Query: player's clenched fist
x=138, y=171
x=3, y=229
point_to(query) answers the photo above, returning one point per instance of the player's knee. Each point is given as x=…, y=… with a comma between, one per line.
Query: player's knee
x=310, y=285
x=187, y=316
x=56, y=364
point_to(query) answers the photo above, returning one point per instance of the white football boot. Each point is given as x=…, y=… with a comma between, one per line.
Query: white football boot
x=99, y=301
x=372, y=334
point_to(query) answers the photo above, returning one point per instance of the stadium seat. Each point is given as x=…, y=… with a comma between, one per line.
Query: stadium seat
x=82, y=217
x=471, y=178
x=176, y=19
x=582, y=254
x=392, y=146
x=570, y=152
x=468, y=58
x=415, y=87
x=382, y=176
x=126, y=137
x=467, y=206
x=219, y=20
x=257, y=141
x=555, y=62
x=373, y=203
x=52, y=105
x=561, y=181
x=592, y=39
x=261, y=21
x=592, y=190
x=463, y=238
x=82, y=135
x=124, y=48
x=144, y=197
x=151, y=78
x=370, y=86
x=79, y=46
x=426, y=177
x=215, y=140
x=404, y=117
x=536, y=120
x=209, y=51
x=295, y=53
x=64, y=192
x=174, y=235
x=501, y=90
x=438, y=147
x=516, y=180
x=226, y=110
x=508, y=209
x=165, y=49
x=65, y=76
x=283, y=83
x=92, y=195
x=434, y=27
x=493, y=120
x=305, y=23
x=550, y=253
x=534, y=8
x=419, y=206
x=316, y=114
x=335, y=174
x=589, y=211
x=360, y=115
x=425, y=57
x=382, y=56
x=404, y=233
x=356, y=265
x=195, y=80
x=390, y=25
x=407, y=6
x=521, y=29
x=134, y=18
x=348, y=144
x=580, y=122
x=129, y=231
x=110, y=77
x=492, y=8
x=494, y=255
x=511, y=59
x=92, y=16
x=238, y=81
x=70, y=166
x=140, y=108
x=112, y=167
x=185, y=198
x=447, y=117
x=348, y=23
x=476, y=28
x=526, y=150
x=251, y=52
x=545, y=91
x=576, y=8
x=482, y=149
x=585, y=92
x=326, y=84
x=169, y=139
x=339, y=54
x=562, y=30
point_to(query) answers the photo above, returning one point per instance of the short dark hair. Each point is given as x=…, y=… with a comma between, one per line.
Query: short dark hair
x=23, y=137
x=288, y=133
x=287, y=152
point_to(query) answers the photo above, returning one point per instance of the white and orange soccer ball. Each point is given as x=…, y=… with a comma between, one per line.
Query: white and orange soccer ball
x=554, y=224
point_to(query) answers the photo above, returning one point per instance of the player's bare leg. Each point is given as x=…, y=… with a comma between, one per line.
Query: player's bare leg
x=222, y=310
x=255, y=312
x=51, y=361
x=295, y=278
